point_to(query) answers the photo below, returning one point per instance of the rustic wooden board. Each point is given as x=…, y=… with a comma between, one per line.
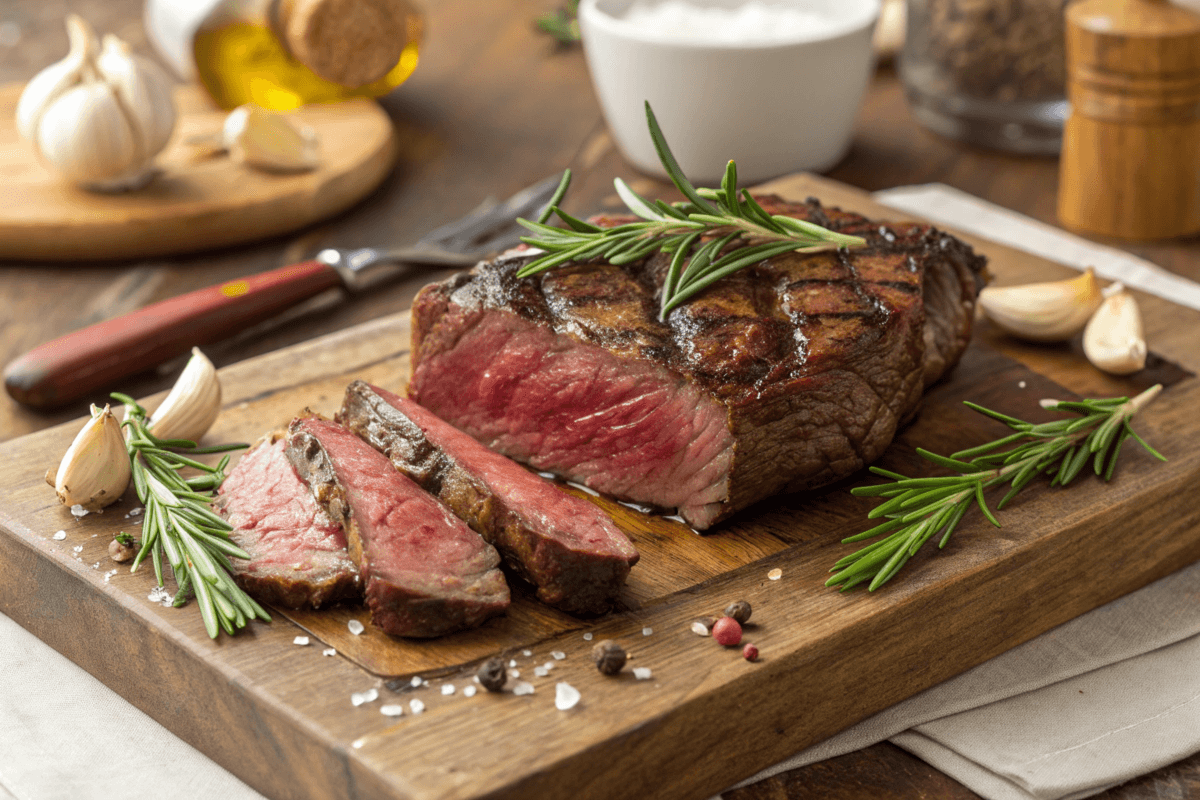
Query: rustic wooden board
x=200, y=201
x=280, y=717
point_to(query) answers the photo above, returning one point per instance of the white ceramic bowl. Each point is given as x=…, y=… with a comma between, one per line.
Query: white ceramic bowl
x=775, y=107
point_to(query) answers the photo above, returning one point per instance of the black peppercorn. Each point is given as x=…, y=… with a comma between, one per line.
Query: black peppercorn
x=609, y=657
x=492, y=674
x=739, y=611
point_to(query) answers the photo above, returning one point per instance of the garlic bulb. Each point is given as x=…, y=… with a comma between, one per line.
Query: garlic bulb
x=1113, y=339
x=95, y=470
x=1043, y=312
x=100, y=115
x=192, y=404
x=269, y=141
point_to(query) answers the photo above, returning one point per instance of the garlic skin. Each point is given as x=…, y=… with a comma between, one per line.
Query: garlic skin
x=268, y=141
x=193, y=403
x=100, y=115
x=95, y=470
x=1043, y=312
x=1113, y=339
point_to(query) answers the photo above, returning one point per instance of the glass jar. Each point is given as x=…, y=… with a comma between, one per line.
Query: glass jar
x=988, y=72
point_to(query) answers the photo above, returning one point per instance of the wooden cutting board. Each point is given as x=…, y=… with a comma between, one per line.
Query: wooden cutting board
x=280, y=715
x=200, y=201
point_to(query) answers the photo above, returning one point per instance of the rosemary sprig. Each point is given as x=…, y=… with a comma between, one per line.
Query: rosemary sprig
x=179, y=522
x=917, y=509
x=721, y=231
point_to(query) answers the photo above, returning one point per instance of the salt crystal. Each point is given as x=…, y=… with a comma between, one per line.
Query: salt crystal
x=558, y=655
x=59, y=536
x=527, y=653
x=541, y=672
x=647, y=631
x=96, y=565
x=514, y=673
x=300, y=640
x=78, y=510
x=355, y=627
x=371, y=695
x=565, y=696
x=775, y=574
x=512, y=662
x=416, y=706
x=329, y=651
x=448, y=688
x=391, y=710
x=358, y=698
x=521, y=687
x=415, y=682
x=357, y=743
x=548, y=665
x=642, y=673
x=699, y=628
x=1021, y=385
x=468, y=691
x=587, y=637
x=77, y=548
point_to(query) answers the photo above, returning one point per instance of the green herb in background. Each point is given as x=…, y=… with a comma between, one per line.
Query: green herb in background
x=723, y=231
x=919, y=508
x=562, y=24
x=179, y=522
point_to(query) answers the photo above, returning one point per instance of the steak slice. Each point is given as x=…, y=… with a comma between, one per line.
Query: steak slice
x=566, y=547
x=785, y=376
x=425, y=572
x=297, y=553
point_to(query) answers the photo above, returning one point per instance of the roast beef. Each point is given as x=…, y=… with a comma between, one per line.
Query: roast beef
x=425, y=573
x=297, y=553
x=566, y=547
x=785, y=376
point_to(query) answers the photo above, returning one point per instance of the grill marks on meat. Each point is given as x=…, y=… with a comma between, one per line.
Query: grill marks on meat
x=566, y=547
x=425, y=572
x=297, y=553
x=785, y=376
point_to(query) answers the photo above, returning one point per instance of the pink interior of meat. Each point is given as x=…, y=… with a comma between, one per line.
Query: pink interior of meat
x=560, y=515
x=405, y=530
x=266, y=499
x=624, y=427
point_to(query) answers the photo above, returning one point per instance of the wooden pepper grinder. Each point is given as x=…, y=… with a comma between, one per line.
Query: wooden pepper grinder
x=1130, y=163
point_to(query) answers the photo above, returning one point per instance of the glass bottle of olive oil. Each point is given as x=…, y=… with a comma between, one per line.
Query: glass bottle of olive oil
x=281, y=54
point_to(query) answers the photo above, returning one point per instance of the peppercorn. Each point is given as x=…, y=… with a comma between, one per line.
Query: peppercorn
x=750, y=652
x=609, y=656
x=739, y=611
x=727, y=631
x=492, y=674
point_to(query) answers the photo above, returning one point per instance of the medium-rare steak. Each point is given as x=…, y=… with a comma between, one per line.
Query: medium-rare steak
x=424, y=571
x=297, y=553
x=784, y=376
x=566, y=547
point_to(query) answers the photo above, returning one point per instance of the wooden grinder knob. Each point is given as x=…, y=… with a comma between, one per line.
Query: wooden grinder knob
x=349, y=42
x=1130, y=162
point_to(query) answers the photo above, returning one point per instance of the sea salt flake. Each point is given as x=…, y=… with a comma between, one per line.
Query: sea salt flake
x=300, y=640
x=448, y=689
x=647, y=631
x=541, y=672
x=1021, y=385
x=355, y=627
x=357, y=743
x=468, y=691
x=699, y=628
x=59, y=536
x=587, y=637
x=527, y=653
x=558, y=655
x=358, y=698
x=77, y=548
x=512, y=662
x=391, y=710
x=416, y=706
x=775, y=574
x=642, y=673
x=371, y=695
x=133, y=512
x=521, y=687
x=78, y=510
x=329, y=651
x=416, y=682
x=514, y=673
x=96, y=565
x=566, y=696
x=548, y=665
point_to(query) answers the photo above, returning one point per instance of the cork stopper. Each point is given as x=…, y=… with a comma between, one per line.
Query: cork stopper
x=349, y=42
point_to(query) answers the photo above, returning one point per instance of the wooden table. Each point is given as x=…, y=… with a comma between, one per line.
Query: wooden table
x=492, y=107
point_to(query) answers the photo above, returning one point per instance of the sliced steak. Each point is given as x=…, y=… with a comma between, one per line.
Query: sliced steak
x=297, y=553
x=785, y=376
x=424, y=571
x=566, y=547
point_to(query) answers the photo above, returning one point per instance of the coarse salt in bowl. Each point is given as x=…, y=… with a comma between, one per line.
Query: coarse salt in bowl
x=772, y=84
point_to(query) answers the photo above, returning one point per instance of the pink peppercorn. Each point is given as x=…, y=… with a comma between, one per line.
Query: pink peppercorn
x=727, y=631
x=750, y=652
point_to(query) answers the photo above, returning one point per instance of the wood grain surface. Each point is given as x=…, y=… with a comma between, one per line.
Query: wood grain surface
x=289, y=730
x=199, y=200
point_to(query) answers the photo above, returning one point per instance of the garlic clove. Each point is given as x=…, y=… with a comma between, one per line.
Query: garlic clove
x=95, y=470
x=143, y=90
x=1043, y=312
x=86, y=137
x=55, y=79
x=193, y=403
x=268, y=141
x=1113, y=339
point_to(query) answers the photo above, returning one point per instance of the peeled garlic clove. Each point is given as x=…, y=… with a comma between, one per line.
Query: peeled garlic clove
x=95, y=470
x=1113, y=339
x=193, y=403
x=1043, y=312
x=268, y=141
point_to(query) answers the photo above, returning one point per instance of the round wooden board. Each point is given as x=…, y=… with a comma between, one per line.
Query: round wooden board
x=199, y=201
